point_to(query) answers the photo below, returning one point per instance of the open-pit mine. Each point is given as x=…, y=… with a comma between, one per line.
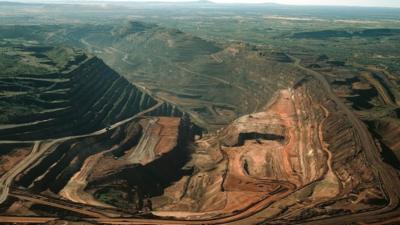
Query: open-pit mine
x=135, y=123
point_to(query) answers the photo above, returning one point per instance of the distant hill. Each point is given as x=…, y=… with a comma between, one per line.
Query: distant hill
x=213, y=82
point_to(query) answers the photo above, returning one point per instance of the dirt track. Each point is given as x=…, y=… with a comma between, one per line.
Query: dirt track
x=387, y=176
x=42, y=146
x=7, y=179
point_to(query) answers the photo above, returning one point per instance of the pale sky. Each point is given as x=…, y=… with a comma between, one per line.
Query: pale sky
x=379, y=3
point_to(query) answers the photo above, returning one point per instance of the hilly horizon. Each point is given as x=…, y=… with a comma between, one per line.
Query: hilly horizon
x=198, y=113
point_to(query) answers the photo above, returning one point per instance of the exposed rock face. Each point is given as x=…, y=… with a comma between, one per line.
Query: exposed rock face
x=145, y=169
x=254, y=126
x=301, y=158
x=298, y=153
x=388, y=132
x=118, y=168
x=267, y=153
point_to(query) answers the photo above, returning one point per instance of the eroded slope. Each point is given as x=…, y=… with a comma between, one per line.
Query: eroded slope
x=78, y=100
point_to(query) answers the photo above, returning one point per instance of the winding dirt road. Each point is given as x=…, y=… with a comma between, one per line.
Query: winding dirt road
x=7, y=179
x=388, y=177
x=42, y=146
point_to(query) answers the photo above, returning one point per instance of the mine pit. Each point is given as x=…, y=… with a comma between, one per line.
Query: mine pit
x=201, y=132
x=258, y=137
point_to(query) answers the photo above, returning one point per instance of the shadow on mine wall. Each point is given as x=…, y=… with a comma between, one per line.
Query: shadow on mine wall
x=150, y=180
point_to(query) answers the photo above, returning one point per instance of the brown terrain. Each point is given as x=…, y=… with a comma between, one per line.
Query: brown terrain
x=302, y=158
x=323, y=150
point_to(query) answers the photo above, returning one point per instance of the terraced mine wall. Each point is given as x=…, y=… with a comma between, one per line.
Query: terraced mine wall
x=57, y=168
x=151, y=179
x=54, y=170
x=84, y=100
x=387, y=132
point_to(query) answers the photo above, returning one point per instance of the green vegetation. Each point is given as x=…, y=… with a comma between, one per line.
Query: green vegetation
x=216, y=62
x=90, y=70
x=26, y=57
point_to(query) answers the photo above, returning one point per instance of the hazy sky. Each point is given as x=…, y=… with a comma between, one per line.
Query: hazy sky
x=385, y=3
x=381, y=3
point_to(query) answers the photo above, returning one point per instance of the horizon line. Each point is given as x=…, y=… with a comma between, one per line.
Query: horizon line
x=78, y=2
